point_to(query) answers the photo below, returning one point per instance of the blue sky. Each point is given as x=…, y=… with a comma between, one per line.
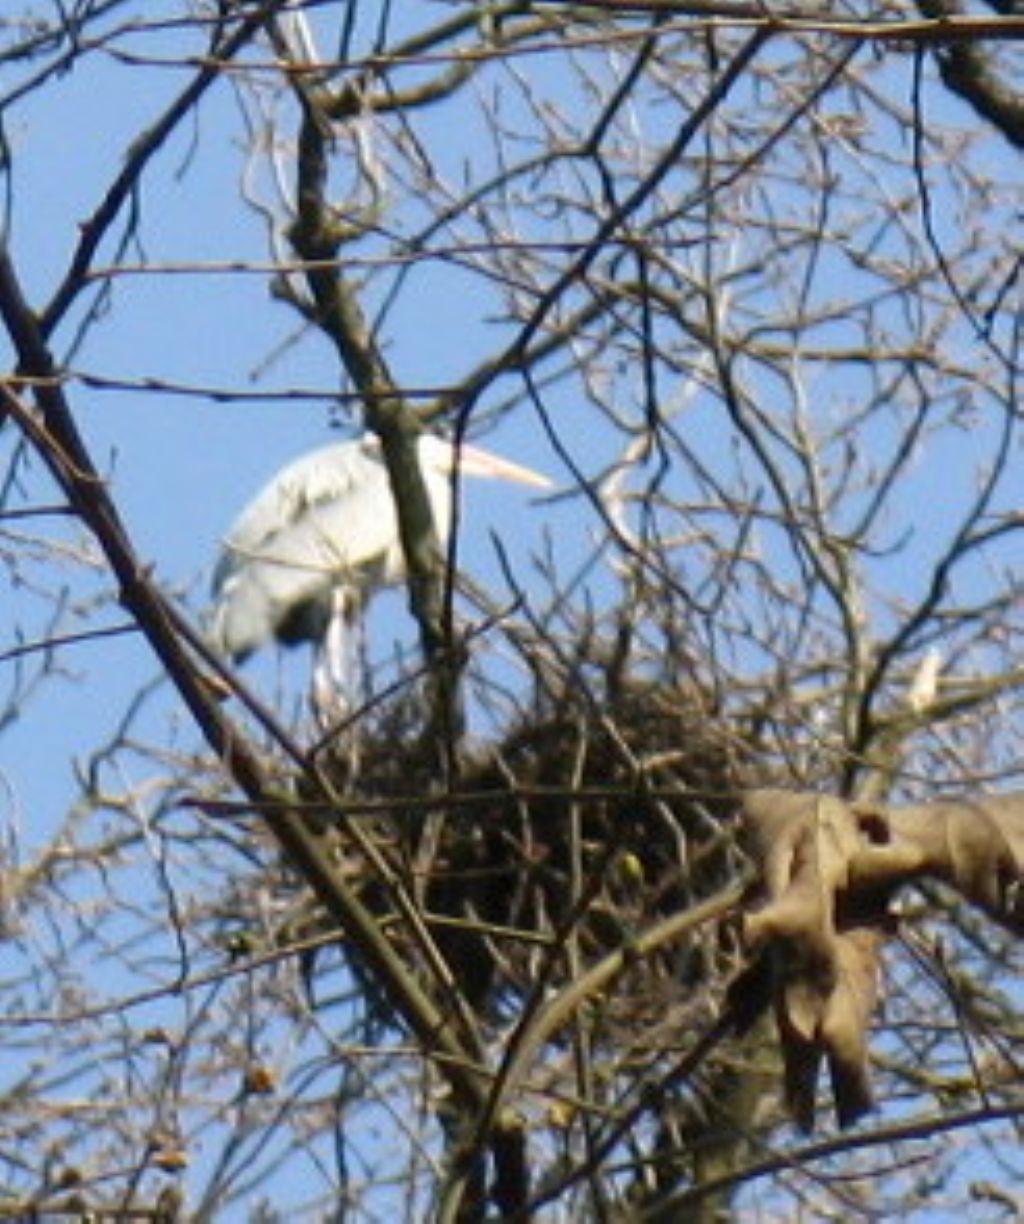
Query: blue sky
x=181, y=466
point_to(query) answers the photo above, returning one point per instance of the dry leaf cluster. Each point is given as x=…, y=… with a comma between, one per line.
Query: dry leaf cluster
x=828, y=872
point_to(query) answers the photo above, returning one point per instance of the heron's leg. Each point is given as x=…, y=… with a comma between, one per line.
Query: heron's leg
x=338, y=647
x=336, y=677
x=326, y=697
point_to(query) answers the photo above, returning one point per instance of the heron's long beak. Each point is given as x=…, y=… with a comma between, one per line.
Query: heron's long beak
x=473, y=461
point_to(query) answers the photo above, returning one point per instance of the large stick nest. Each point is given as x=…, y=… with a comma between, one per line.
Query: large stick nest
x=579, y=827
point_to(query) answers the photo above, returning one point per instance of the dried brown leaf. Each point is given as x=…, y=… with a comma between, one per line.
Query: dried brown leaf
x=825, y=963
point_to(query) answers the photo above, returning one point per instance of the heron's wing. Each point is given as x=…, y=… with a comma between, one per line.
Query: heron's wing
x=327, y=474
x=307, y=534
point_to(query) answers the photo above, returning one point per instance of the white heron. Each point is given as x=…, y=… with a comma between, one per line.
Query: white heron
x=305, y=555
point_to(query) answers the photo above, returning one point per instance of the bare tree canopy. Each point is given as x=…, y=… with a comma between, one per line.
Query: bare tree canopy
x=668, y=788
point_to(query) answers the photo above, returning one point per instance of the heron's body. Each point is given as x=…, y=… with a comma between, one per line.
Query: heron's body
x=321, y=536
x=326, y=520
